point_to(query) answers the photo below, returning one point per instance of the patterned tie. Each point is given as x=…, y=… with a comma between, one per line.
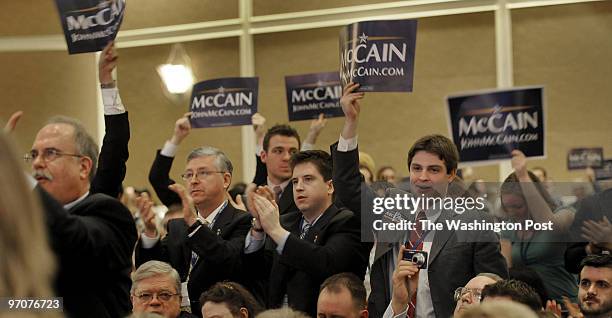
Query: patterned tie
x=305, y=230
x=277, y=193
x=415, y=238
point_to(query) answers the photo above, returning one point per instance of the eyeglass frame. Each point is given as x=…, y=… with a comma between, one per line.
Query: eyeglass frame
x=29, y=157
x=475, y=293
x=205, y=173
x=166, y=294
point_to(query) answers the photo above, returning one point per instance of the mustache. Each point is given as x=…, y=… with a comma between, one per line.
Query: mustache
x=42, y=174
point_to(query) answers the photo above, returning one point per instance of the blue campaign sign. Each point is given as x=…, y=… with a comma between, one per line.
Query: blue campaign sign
x=487, y=126
x=224, y=102
x=582, y=158
x=309, y=95
x=90, y=24
x=379, y=55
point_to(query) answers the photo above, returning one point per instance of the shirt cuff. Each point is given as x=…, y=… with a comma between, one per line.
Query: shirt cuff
x=281, y=245
x=390, y=314
x=251, y=244
x=148, y=242
x=169, y=149
x=346, y=145
x=112, y=101
x=307, y=146
x=195, y=231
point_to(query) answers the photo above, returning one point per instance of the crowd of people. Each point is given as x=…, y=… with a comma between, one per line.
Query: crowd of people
x=291, y=243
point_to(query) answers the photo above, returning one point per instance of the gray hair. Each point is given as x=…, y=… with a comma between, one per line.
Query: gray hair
x=492, y=276
x=155, y=268
x=222, y=161
x=85, y=144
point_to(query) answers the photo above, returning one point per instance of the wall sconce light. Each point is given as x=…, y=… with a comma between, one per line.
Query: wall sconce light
x=176, y=74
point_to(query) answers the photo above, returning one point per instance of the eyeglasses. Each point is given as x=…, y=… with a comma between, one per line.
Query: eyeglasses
x=462, y=291
x=200, y=174
x=162, y=296
x=47, y=155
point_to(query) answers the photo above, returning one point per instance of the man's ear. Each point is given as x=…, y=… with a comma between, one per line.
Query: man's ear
x=330, y=187
x=263, y=155
x=244, y=313
x=85, y=166
x=227, y=180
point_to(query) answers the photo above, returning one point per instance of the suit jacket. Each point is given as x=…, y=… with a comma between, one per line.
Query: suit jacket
x=219, y=249
x=113, y=155
x=331, y=246
x=594, y=207
x=452, y=261
x=93, y=243
x=285, y=202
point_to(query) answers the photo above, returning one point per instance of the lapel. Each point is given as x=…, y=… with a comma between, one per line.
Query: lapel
x=315, y=232
x=441, y=237
x=225, y=217
x=286, y=199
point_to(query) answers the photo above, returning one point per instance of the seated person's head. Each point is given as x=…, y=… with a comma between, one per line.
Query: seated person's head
x=470, y=294
x=595, y=286
x=513, y=290
x=228, y=300
x=342, y=295
x=156, y=288
x=499, y=309
x=285, y=312
x=531, y=278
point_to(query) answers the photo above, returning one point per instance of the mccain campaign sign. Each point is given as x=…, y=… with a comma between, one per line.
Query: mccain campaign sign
x=487, y=126
x=379, y=55
x=90, y=24
x=582, y=158
x=605, y=172
x=309, y=95
x=224, y=102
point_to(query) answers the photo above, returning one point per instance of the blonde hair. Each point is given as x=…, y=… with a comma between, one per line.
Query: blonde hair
x=26, y=262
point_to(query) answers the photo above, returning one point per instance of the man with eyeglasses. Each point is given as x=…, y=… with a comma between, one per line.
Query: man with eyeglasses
x=91, y=233
x=205, y=245
x=470, y=294
x=156, y=289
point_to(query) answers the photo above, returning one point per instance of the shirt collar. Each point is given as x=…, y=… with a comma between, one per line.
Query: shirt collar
x=211, y=217
x=75, y=202
x=282, y=185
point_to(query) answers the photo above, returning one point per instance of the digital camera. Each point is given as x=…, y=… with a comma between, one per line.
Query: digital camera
x=417, y=257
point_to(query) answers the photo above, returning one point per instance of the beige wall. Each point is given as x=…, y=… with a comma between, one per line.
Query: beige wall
x=568, y=49
x=43, y=84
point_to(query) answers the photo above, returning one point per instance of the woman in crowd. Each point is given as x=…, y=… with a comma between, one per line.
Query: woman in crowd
x=523, y=198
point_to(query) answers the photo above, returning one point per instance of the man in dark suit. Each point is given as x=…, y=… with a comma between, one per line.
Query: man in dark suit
x=91, y=234
x=432, y=163
x=305, y=246
x=205, y=245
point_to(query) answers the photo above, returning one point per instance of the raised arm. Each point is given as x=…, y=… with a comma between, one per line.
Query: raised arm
x=538, y=207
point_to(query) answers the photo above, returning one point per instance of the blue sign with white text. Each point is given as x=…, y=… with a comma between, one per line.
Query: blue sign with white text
x=90, y=24
x=379, y=55
x=309, y=95
x=224, y=102
x=489, y=125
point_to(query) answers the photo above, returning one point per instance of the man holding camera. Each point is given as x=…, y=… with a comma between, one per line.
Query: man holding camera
x=451, y=261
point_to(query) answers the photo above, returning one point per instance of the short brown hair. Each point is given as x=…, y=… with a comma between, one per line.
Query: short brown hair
x=443, y=147
x=352, y=283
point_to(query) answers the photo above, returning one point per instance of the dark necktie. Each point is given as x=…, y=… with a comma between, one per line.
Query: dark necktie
x=416, y=243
